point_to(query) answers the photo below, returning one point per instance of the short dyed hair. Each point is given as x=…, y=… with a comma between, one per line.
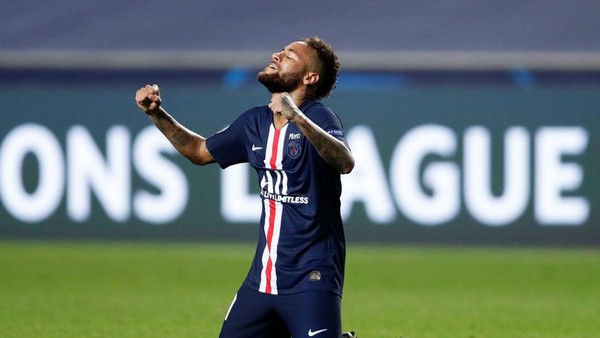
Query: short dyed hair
x=330, y=66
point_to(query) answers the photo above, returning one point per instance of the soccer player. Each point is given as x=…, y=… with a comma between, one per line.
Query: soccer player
x=298, y=149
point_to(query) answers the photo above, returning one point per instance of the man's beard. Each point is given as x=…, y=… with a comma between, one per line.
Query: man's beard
x=279, y=83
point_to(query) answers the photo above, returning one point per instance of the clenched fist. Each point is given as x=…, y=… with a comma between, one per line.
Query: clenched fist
x=148, y=98
x=283, y=104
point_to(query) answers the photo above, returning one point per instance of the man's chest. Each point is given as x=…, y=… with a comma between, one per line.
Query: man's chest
x=277, y=149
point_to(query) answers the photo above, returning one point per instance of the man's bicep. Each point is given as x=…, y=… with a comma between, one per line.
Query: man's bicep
x=200, y=153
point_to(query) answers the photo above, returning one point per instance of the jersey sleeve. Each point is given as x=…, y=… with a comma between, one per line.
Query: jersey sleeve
x=228, y=145
x=328, y=121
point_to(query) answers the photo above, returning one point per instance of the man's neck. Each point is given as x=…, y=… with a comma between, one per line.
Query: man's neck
x=298, y=97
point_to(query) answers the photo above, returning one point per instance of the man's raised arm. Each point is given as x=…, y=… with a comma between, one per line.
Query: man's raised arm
x=188, y=143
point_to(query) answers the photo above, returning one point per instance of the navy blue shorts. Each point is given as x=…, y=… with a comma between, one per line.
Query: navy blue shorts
x=306, y=314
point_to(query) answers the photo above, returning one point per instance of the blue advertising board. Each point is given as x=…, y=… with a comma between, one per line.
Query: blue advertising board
x=441, y=156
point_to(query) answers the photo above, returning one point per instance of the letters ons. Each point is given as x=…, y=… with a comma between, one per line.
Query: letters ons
x=83, y=169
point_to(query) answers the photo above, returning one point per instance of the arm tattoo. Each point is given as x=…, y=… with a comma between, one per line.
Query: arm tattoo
x=332, y=150
x=187, y=143
x=172, y=130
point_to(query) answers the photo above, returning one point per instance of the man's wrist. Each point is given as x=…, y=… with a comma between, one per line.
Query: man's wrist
x=298, y=115
x=154, y=112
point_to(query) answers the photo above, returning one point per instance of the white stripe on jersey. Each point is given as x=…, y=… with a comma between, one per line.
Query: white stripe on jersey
x=269, y=148
x=284, y=184
x=268, y=279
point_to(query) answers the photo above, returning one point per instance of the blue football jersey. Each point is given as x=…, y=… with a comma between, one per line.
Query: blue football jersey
x=301, y=242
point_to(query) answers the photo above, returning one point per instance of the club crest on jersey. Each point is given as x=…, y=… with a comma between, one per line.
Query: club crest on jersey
x=294, y=149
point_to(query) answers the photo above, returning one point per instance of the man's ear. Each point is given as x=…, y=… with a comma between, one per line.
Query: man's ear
x=311, y=78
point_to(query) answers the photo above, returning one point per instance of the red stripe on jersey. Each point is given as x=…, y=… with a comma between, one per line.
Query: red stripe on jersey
x=273, y=161
x=269, y=267
x=272, y=213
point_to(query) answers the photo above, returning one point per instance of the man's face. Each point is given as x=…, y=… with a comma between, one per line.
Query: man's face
x=287, y=68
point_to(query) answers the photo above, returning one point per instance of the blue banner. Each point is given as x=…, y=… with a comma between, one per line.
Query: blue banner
x=445, y=157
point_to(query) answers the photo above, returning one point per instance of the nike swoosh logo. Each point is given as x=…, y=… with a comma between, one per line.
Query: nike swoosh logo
x=255, y=148
x=312, y=333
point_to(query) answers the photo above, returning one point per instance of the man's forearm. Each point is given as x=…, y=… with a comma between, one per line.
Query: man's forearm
x=332, y=150
x=177, y=134
x=188, y=143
